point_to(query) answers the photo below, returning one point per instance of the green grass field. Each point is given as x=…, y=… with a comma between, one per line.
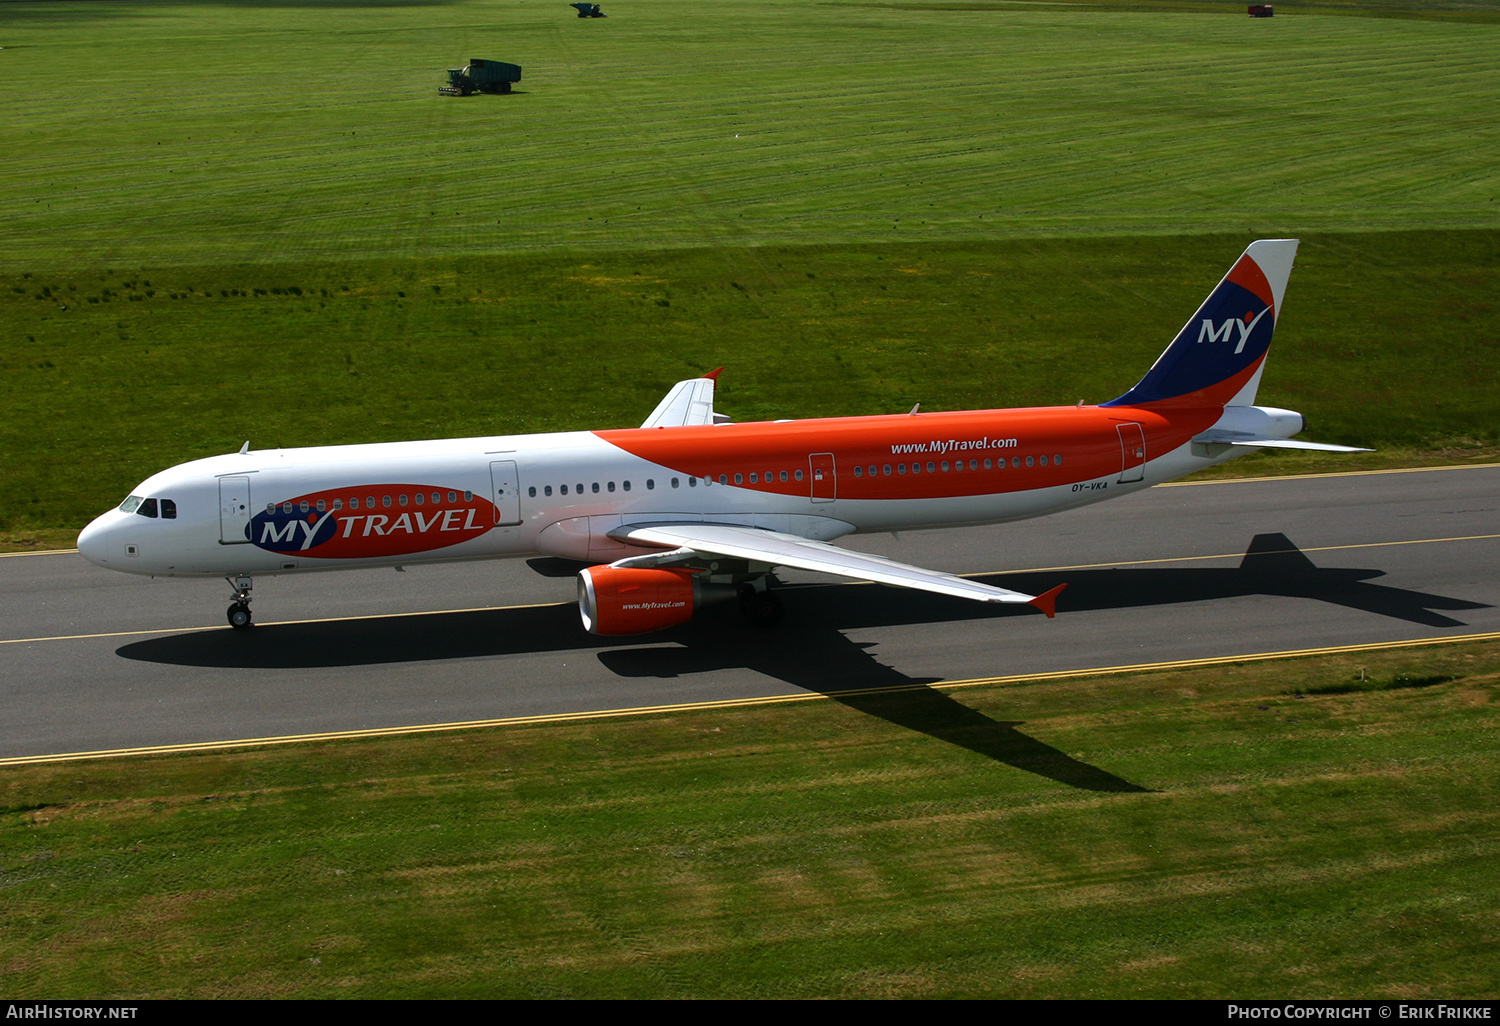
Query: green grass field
x=148, y=133
x=258, y=220
x=1202, y=833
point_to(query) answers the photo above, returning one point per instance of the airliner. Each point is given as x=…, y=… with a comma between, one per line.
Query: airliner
x=690, y=509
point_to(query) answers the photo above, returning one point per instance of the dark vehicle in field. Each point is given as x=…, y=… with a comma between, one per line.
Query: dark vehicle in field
x=481, y=77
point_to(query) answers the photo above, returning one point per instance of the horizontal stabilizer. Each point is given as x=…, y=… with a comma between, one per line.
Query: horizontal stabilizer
x=1230, y=438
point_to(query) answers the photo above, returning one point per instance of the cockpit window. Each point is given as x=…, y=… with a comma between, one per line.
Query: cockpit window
x=147, y=508
x=168, y=509
x=130, y=504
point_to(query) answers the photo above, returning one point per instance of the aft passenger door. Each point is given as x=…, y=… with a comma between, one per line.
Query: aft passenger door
x=1132, y=452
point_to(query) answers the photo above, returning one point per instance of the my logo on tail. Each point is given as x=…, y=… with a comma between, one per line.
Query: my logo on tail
x=1208, y=333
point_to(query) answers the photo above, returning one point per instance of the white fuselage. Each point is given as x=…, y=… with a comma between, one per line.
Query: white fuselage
x=294, y=510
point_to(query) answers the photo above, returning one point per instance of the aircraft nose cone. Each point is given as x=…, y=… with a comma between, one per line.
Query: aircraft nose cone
x=93, y=541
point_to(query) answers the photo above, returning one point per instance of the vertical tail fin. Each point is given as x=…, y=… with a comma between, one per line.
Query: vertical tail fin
x=1218, y=356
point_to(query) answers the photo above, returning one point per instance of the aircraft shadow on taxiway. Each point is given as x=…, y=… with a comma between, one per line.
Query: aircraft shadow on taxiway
x=1272, y=566
x=810, y=651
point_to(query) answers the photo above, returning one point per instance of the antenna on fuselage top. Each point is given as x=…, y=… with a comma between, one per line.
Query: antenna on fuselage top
x=914, y=410
x=245, y=448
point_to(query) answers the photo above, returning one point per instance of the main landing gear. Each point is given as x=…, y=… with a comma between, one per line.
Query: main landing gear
x=760, y=606
x=239, y=613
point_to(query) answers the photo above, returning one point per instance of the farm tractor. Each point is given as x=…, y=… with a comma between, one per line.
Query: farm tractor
x=481, y=77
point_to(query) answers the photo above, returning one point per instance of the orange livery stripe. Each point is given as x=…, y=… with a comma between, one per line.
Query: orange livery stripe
x=929, y=455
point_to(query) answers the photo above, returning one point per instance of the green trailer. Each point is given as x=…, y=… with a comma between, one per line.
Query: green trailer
x=481, y=77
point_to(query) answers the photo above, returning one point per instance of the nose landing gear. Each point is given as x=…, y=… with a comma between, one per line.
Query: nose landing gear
x=239, y=612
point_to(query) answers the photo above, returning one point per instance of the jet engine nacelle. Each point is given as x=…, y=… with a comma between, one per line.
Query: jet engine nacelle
x=638, y=600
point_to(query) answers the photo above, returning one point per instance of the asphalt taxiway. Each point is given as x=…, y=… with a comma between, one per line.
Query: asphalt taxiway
x=94, y=661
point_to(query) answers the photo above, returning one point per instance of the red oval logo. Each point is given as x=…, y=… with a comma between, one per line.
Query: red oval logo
x=371, y=521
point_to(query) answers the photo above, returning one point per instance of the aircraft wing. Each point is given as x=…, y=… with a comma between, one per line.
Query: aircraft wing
x=779, y=549
x=689, y=403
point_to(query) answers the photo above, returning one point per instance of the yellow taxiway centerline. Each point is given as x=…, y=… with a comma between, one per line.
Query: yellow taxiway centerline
x=1336, y=473
x=276, y=623
x=734, y=703
x=541, y=605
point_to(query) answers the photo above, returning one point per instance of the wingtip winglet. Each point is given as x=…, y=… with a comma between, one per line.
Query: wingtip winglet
x=1047, y=601
x=713, y=375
